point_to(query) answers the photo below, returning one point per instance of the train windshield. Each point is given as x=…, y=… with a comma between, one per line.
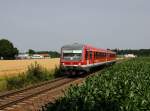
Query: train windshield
x=72, y=55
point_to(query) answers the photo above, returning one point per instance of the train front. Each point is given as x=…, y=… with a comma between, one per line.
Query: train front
x=71, y=59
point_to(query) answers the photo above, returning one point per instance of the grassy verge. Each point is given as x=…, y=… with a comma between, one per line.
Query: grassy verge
x=122, y=87
x=3, y=84
x=33, y=75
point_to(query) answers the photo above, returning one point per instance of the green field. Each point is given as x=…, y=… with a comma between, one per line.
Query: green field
x=121, y=87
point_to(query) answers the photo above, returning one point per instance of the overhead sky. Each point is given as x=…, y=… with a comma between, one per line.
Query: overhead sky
x=49, y=24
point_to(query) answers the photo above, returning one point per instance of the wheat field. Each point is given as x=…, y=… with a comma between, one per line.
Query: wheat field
x=14, y=67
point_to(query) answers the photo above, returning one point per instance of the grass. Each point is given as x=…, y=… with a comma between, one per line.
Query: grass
x=122, y=87
x=3, y=84
x=34, y=74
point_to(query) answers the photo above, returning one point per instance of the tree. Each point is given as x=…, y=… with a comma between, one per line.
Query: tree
x=31, y=52
x=54, y=54
x=7, y=50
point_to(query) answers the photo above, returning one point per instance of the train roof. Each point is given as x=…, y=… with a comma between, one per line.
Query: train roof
x=109, y=51
x=94, y=48
x=80, y=46
x=73, y=46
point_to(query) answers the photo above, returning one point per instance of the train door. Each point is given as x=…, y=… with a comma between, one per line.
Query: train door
x=87, y=57
x=90, y=57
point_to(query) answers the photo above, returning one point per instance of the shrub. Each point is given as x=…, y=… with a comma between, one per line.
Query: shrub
x=16, y=82
x=57, y=72
x=34, y=74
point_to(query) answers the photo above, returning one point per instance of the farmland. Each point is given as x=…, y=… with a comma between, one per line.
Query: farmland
x=14, y=67
x=122, y=87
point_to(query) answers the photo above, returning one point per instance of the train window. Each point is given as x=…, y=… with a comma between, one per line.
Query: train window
x=104, y=54
x=72, y=54
x=90, y=54
x=101, y=54
x=112, y=55
x=86, y=55
x=98, y=54
x=94, y=54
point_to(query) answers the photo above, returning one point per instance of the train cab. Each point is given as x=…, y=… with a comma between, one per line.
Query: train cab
x=71, y=57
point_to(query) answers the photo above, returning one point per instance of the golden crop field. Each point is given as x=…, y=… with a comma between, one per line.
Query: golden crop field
x=14, y=67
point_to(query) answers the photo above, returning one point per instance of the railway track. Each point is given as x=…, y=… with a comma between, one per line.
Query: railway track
x=13, y=97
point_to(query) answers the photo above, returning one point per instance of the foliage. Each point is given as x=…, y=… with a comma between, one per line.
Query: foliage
x=7, y=50
x=33, y=75
x=54, y=54
x=139, y=52
x=3, y=84
x=57, y=72
x=122, y=87
x=36, y=73
x=31, y=52
x=16, y=81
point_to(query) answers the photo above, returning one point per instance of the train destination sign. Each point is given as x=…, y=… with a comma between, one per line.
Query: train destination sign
x=72, y=51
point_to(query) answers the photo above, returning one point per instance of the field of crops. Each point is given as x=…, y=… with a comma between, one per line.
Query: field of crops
x=13, y=67
x=122, y=87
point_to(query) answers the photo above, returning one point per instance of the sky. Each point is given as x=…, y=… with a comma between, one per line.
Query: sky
x=50, y=24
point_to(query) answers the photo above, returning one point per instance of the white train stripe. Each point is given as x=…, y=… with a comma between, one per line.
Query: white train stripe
x=92, y=65
x=97, y=64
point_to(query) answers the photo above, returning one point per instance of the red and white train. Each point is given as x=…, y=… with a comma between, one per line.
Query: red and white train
x=76, y=58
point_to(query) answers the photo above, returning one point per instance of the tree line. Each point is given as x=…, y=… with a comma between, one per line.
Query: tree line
x=138, y=52
x=8, y=51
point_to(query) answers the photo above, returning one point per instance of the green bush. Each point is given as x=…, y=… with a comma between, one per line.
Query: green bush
x=57, y=72
x=36, y=73
x=122, y=87
x=16, y=81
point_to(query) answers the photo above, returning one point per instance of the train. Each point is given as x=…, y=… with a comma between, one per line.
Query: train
x=79, y=58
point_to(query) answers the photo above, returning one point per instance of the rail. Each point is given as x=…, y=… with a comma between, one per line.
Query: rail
x=14, y=97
